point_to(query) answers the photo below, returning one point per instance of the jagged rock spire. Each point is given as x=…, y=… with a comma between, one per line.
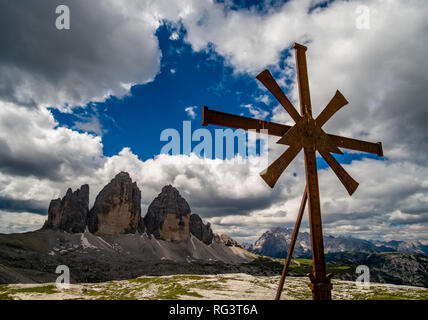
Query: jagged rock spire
x=70, y=213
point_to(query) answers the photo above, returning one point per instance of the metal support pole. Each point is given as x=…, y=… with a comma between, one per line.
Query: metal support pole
x=292, y=244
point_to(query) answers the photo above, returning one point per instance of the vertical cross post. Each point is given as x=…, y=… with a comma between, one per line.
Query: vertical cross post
x=320, y=282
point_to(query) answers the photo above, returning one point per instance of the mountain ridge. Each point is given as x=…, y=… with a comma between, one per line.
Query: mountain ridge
x=275, y=242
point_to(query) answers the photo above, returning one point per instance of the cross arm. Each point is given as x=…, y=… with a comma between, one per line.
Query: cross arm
x=238, y=122
x=276, y=129
x=358, y=145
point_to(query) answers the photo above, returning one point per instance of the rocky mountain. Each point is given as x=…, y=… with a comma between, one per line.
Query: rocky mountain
x=168, y=216
x=202, y=231
x=117, y=208
x=228, y=241
x=69, y=213
x=386, y=264
x=275, y=243
x=113, y=240
x=386, y=267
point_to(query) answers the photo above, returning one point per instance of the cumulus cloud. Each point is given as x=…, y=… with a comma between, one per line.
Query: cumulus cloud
x=231, y=195
x=34, y=145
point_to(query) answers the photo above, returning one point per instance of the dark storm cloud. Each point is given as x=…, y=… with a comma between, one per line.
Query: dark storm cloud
x=216, y=206
x=17, y=205
x=34, y=164
x=101, y=53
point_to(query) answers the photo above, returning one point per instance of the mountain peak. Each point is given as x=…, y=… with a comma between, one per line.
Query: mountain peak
x=117, y=208
x=168, y=216
x=70, y=213
x=122, y=175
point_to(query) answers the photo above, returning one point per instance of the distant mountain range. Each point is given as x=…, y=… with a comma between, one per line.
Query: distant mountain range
x=275, y=243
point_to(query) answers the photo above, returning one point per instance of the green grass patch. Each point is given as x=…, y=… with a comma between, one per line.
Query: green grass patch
x=7, y=292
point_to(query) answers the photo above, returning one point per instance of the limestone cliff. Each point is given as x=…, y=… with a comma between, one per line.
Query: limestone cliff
x=117, y=208
x=200, y=230
x=70, y=213
x=168, y=216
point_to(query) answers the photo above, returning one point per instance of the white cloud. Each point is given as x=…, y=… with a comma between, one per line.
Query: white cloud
x=263, y=98
x=33, y=144
x=255, y=111
x=174, y=36
x=191, y=111
x=13, y=222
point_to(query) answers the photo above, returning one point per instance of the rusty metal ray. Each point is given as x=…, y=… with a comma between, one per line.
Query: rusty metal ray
x=269, y=82
x=335, y=104
x=274, y=171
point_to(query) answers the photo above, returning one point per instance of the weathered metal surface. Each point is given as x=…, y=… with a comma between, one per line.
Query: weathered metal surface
x=314, y=206
x=358, y=145
x=305, y=134
x=302, y=79
x=335, y=104
x=269, y=82
x=350, y=184
x=292, y=244
x=308, y=134
x=274, y=171
x=223, y=119
x=315, y=224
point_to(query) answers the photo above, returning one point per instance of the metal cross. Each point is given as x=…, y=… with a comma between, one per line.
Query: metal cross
x=306, y=134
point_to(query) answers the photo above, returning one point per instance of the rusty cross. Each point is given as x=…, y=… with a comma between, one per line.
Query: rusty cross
x=306, y=134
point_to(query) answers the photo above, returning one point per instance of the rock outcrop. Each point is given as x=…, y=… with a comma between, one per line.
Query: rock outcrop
x=168, y=216
x=70, y=213
x=117, y=208
x=228, y=241
x=200, y=230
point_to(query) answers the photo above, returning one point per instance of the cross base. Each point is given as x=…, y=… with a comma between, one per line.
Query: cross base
x=321, y=290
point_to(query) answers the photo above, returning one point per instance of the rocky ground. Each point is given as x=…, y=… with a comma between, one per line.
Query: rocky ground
x=233, y=286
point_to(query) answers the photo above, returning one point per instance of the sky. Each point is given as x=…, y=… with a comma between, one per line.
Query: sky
x=80, y=105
